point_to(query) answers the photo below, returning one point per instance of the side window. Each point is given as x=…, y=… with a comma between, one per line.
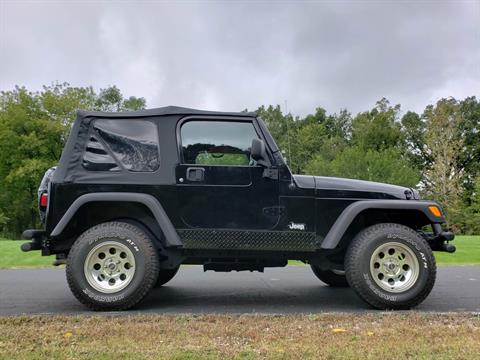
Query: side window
x=217, y=142
x=131, y=143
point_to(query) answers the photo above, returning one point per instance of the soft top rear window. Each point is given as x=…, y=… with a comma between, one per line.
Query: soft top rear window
x=122, y=144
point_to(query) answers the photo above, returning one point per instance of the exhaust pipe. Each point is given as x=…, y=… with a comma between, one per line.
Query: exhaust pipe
x=29, y=246
x=449, y=248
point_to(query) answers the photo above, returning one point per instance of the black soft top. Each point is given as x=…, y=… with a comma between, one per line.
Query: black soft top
x=166, y=110
x=70, y=167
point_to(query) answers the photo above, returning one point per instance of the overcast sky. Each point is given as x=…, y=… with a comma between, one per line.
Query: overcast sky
x=230, y=56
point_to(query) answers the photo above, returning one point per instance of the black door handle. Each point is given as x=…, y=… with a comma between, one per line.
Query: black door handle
x=195, y=174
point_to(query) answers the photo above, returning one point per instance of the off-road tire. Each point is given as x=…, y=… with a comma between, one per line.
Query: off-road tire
x=357, y=266
x=143, y=279
x=165, y=275
x=329, y=277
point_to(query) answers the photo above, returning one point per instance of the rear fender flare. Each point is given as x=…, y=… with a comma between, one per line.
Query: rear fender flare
x=171, y=235
x=353, y=210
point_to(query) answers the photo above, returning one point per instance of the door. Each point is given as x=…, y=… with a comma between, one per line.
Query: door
x=221, y=191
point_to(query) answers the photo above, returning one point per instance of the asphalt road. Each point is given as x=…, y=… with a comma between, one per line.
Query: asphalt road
x=277, y=291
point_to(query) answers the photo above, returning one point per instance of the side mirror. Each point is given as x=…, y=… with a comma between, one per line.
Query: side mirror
x=258, y=152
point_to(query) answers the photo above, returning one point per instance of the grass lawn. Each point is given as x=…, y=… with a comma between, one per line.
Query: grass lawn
x=323, y=336
x=468, y=253
x=12, y=257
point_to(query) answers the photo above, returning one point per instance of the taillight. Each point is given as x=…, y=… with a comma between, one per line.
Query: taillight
x=44, y=200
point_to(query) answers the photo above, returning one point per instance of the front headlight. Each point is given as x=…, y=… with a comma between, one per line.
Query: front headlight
x=412, y=194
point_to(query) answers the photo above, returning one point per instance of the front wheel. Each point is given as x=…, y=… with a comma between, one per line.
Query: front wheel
x=390, y=266
x=112, y=266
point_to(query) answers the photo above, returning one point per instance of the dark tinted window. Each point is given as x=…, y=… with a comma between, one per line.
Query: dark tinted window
x=131, y=143
x=217, y=142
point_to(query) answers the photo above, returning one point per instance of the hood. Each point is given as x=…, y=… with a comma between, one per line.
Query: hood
x=340, y=187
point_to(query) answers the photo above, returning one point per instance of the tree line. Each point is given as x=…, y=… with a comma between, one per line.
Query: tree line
x=436, y=152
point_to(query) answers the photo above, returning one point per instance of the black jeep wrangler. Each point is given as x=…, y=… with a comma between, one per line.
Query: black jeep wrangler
x=137, y=194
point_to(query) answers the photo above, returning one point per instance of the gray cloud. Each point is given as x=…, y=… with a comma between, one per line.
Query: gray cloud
x=233, y=55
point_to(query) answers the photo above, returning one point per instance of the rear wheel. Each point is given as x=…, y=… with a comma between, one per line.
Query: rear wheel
x=112, y=266
x=390, y=266
x=165, y=275
x=334, y=278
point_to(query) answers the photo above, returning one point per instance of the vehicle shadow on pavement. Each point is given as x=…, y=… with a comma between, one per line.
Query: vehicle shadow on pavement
x=228, y=299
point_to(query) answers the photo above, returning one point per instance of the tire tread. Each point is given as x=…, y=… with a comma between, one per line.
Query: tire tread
x=354, y=275
x=115, y=228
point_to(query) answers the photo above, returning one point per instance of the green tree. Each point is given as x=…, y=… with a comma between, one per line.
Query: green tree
x=134, y=103
x=371, y=146
x=307, y=141
x=443, y=177
x=414, y=128
x=342, y=127
x=278, y=124
x=379, y=128
x=469, y=157
x=111, y=99
x=472, y=218
x=33, y=129
x=353, y=162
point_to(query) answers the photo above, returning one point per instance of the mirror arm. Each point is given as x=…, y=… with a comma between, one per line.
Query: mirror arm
x=263, y=163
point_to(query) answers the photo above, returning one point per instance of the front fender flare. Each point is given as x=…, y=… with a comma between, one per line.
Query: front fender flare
x=350, y=213
x=171, y=235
